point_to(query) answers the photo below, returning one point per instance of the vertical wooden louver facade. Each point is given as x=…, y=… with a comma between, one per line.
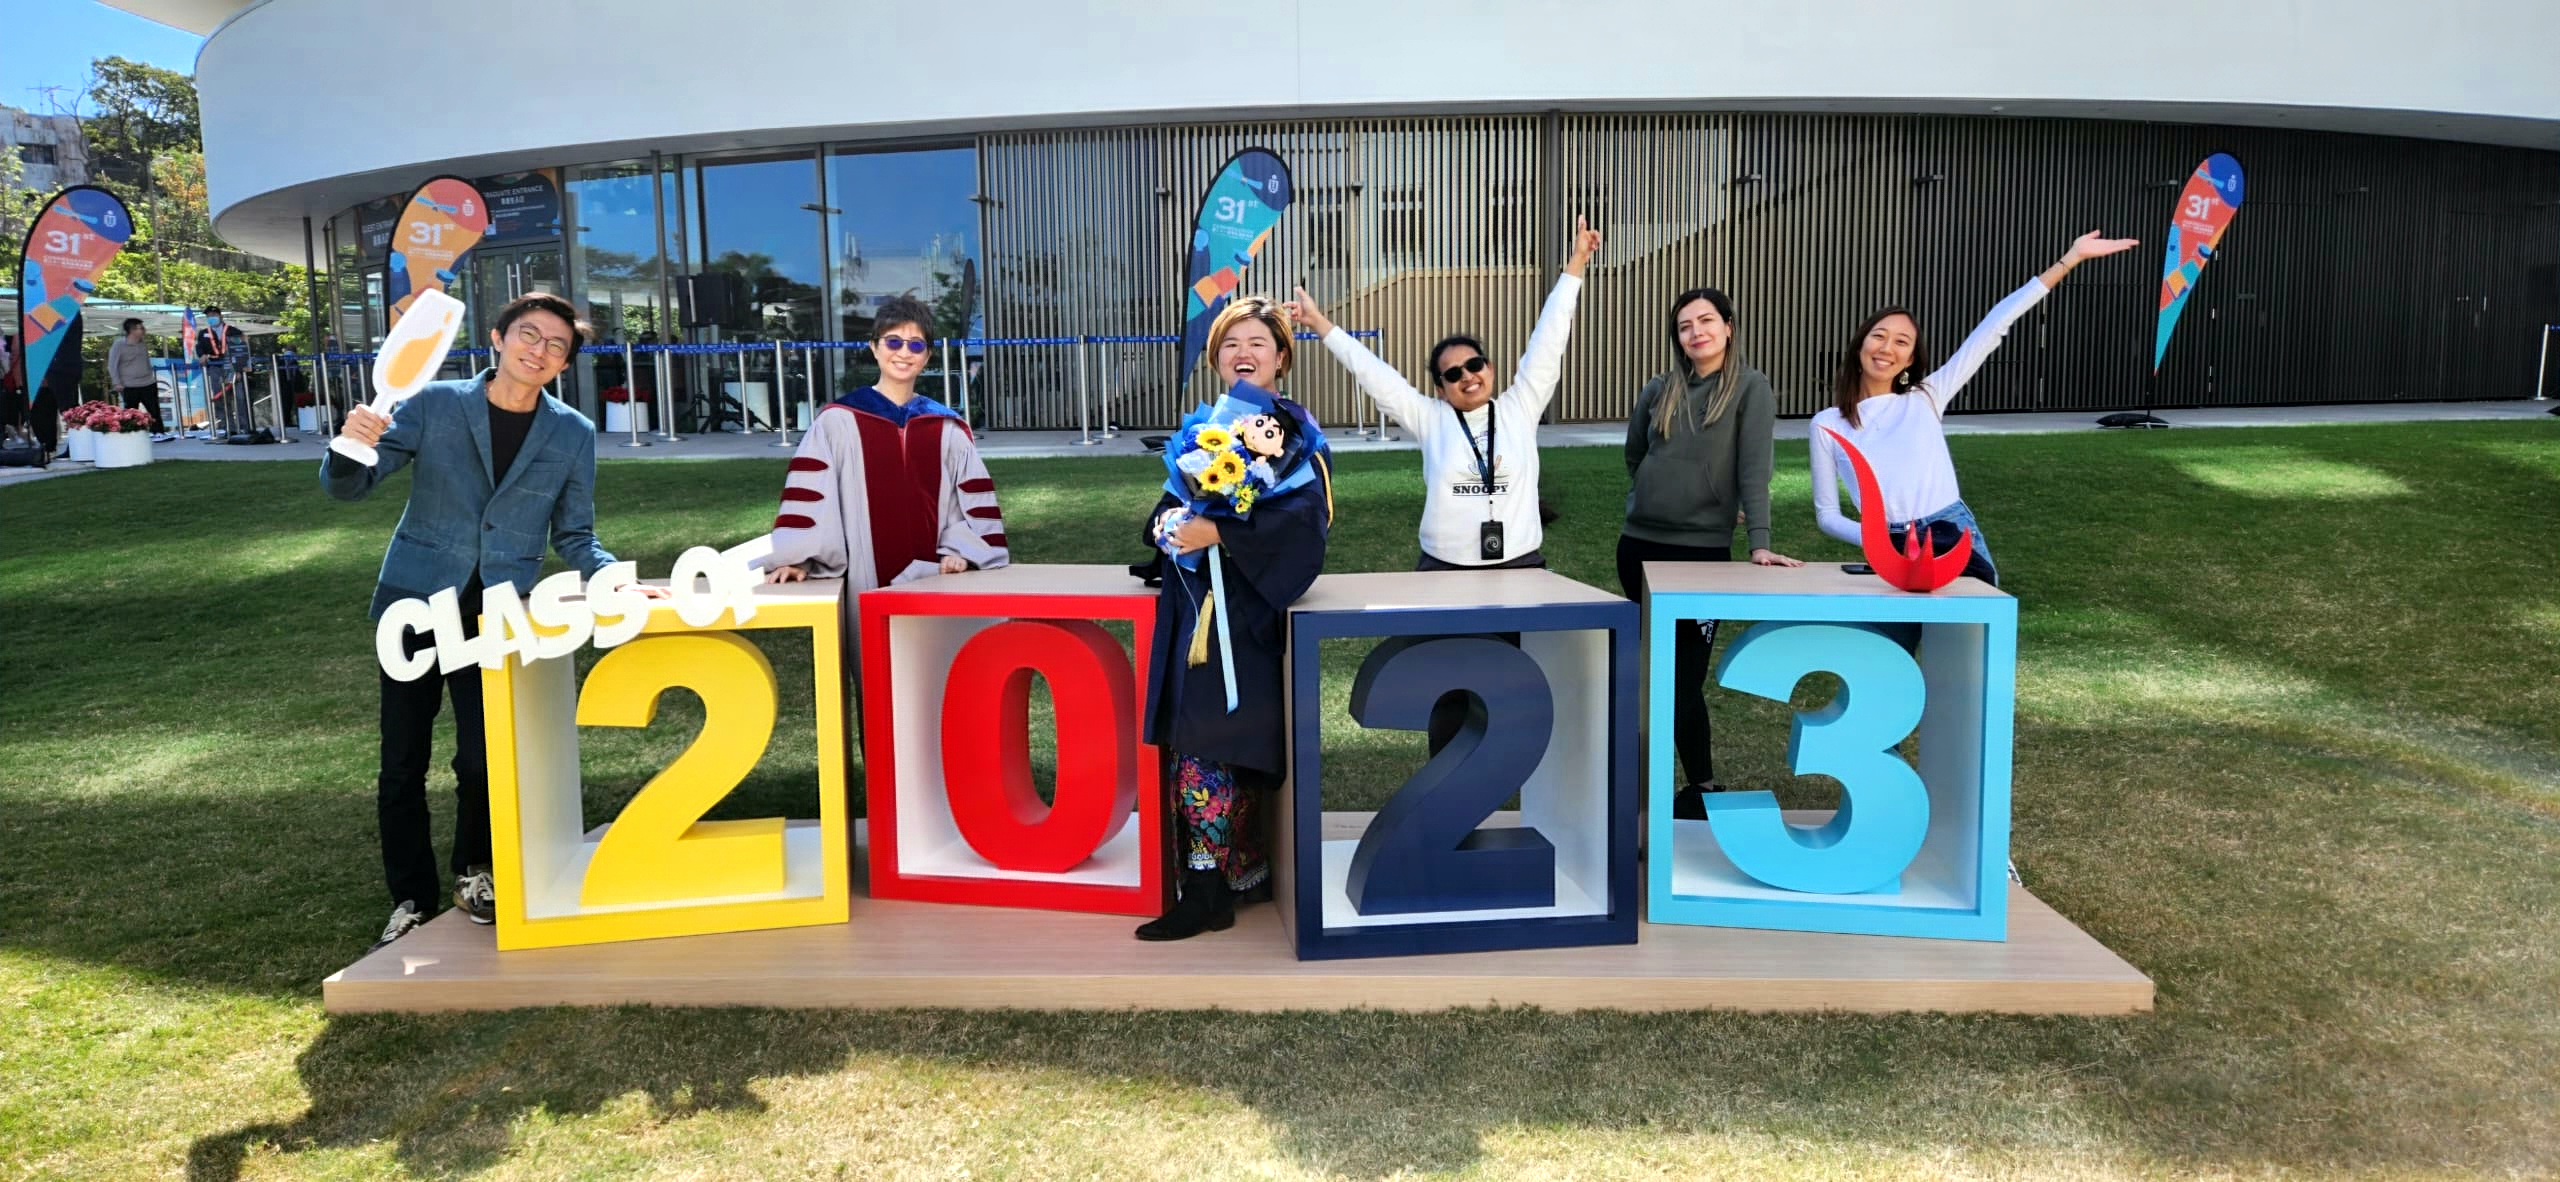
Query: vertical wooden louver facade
x=2360, y=268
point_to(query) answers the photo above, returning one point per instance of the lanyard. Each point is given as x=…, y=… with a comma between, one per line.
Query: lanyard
x=1486, y=458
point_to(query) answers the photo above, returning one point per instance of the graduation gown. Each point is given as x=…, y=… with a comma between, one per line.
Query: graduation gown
x=1271, y=558
x=879, y=494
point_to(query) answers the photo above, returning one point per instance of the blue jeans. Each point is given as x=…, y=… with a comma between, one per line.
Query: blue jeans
x=1945, y=526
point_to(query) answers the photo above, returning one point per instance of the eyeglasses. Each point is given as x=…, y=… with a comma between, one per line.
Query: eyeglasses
x=1450, y=376
x=532, y=338
x=910, y=344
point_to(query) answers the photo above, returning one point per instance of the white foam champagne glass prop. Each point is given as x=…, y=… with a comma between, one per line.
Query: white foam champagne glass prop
x=408, y=360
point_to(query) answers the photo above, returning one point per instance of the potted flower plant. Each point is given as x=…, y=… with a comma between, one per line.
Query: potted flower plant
x=620, y=404
x=123, y=435
x=78, y=433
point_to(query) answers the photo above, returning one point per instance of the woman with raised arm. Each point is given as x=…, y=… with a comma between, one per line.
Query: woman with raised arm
x=1479, y=447
x=1896, y=418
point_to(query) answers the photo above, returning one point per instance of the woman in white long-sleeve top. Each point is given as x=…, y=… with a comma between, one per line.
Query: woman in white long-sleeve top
x=1898, y=422
x=1479, y=447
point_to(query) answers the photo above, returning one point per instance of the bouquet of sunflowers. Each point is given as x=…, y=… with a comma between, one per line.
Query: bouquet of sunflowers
x=1229, y=456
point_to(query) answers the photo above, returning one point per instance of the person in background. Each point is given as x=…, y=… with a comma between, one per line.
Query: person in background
x=129, y=371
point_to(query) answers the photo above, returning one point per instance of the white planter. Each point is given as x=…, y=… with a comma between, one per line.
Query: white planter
x=84, y=445
x=123, y=449
x=306, y=419
x=617, y=416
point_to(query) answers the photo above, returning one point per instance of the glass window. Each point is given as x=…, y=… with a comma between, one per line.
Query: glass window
x=760, y=222
x=610, y=223
x=904, y=223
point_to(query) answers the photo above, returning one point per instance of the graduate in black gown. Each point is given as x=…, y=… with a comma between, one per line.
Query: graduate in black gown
x=1225, y=761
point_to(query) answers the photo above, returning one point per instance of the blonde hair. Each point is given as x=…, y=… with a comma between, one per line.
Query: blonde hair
x=1255, y=307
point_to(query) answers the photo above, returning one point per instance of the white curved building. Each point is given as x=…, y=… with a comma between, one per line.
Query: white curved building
x=1034, y=167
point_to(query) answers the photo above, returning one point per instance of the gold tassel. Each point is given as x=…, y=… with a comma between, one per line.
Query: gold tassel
x=1200, y=635
x=1326, y=471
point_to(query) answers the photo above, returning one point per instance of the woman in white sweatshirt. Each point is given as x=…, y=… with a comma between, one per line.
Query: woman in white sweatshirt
x=1898, y=423
x=1479, y=448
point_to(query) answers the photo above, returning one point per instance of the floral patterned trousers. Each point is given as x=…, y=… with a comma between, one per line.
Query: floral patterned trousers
x=1218, y=822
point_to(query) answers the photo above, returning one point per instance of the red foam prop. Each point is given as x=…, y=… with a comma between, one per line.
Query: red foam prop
x=1917, y=566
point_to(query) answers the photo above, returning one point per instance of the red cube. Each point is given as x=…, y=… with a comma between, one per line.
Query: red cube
x=955, y=817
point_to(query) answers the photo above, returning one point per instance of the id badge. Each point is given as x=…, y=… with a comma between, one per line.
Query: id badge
x=1489, y=541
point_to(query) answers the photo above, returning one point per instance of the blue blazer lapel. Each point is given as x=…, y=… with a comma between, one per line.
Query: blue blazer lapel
x=475, y=412
x=545, y=422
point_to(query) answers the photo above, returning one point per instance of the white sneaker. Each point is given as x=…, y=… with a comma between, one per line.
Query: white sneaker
x=405, y=919
x=476, y=895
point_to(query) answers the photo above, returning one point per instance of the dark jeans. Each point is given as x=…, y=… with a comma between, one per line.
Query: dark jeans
x=1690, y=649
x=44, y=418
x=144, y=398
x=409, y=711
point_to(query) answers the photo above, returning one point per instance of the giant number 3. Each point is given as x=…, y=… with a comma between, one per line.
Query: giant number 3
x=660, y=849
x=1884, y=806
x=1423, y=851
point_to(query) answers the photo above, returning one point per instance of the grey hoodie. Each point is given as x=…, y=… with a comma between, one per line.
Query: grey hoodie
x=1689, y=487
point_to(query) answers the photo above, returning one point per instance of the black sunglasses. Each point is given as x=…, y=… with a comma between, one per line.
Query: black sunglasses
x=1450, y=376
x=910, y=344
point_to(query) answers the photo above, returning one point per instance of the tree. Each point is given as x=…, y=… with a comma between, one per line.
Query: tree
x=143, y=111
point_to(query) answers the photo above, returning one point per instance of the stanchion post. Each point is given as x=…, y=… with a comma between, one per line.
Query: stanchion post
x=2542, y=369
x=1084, y=394
x=808, y=387
x=666, y=391
x=1378, y=341
x=1108, y=431
x=964, y=383
x=631, y=398
x=781, y=396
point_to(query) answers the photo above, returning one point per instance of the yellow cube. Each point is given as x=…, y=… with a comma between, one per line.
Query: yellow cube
x=658, y=869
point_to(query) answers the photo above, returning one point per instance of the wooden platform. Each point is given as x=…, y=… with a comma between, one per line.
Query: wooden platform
x=897, y=954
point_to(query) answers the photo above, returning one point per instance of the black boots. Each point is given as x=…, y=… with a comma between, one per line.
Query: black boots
x=1207, y=906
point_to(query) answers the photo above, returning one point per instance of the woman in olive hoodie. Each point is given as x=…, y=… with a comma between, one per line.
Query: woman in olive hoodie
x=1698, y=453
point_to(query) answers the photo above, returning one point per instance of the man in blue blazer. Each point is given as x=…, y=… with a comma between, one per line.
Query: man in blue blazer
x=500, y=467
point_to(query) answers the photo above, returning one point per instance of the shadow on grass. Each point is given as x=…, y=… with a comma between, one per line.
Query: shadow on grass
x=2310, y=1019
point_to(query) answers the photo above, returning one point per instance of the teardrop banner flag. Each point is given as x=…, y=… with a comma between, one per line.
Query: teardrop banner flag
x=2204, y=211
x=445, y=218
x=68, y=246
x=1234, y=223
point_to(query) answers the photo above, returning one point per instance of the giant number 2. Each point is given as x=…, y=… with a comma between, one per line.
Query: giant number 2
x=1423, y=851
x=660, y=849
x=1884, y=806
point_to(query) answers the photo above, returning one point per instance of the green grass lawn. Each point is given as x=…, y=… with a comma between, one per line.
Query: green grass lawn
x=2288, y=740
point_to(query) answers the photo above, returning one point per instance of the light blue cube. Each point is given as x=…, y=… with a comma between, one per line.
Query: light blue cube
x=1917, y=849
